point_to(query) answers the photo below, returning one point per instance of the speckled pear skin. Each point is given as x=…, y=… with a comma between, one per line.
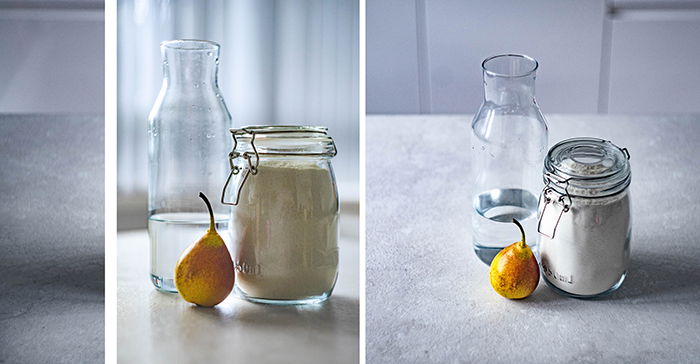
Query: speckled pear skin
x=204, y=274
x=514, y=272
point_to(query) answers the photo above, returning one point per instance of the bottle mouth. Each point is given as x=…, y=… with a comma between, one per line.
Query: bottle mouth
x=190, y=45
x=509, y=65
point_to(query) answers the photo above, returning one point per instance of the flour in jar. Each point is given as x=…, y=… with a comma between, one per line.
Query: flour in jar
x=284, y=231
x=590, y=251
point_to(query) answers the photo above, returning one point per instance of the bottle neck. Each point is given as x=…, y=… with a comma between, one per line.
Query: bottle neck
x=190, y=69
x=512, y=91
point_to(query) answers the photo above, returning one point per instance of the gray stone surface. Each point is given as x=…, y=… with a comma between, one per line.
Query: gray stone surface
x=51, y=239
x=429, y=298
x=156, y=327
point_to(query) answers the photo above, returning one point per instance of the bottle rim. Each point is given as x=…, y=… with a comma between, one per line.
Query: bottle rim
x=491, y=72
x=191, y=45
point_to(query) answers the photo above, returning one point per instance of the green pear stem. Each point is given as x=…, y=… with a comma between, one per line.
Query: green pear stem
x=522, y=231
x=211, y=212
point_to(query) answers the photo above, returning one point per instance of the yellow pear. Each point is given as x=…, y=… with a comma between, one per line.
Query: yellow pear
x=514, y=272
x=204, y=274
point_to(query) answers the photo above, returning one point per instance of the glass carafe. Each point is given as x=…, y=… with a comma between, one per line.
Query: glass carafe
x=508, y=145
x=188, y=144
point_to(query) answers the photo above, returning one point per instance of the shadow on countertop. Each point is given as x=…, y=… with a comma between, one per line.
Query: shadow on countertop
x=336, y=312
x=657, y=277
x=245, y=331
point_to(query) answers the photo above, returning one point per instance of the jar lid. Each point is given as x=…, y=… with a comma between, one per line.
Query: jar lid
x=280, y=140
x=587, y=167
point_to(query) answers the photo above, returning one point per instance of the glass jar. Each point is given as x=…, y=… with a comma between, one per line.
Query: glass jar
x=508, y=144
x=584, y=217
x=284, y=219
x=188, y=142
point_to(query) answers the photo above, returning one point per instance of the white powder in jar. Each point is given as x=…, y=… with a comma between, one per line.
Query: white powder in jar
x=590, y=250
x=284, y=231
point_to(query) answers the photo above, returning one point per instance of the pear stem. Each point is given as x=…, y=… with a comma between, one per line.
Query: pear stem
x=522, y=231
x=211, y=212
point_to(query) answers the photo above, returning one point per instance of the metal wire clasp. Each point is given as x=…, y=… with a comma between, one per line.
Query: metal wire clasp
x=251, y=169
x=549, y=198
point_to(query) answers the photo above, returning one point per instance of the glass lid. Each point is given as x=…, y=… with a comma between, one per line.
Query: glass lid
x=279, y=140
x=587, y=167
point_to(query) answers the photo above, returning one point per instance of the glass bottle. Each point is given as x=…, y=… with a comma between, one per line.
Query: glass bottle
x=284, y=218
x=508, y=145
x=188, y=145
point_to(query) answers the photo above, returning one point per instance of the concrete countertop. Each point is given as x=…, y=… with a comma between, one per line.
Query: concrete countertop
x=428, y=295
x=156, y=327
x=52, y=239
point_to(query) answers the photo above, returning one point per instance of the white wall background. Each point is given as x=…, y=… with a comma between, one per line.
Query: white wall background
x=631, y=56
x=282, y=62
x=51, y=56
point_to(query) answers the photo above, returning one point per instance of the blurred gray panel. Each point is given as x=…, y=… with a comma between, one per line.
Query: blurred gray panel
x=654, y=63
x=564, y=36
x=52, y=239
x=52, y=61
x=392, y=62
